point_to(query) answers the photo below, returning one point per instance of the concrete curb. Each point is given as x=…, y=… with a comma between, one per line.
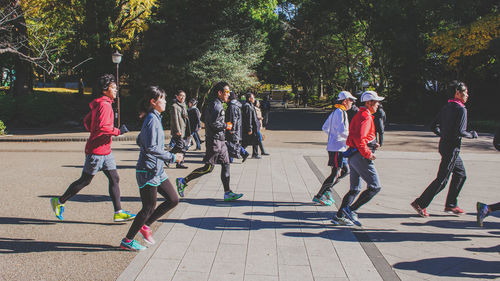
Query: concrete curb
x=60, y=139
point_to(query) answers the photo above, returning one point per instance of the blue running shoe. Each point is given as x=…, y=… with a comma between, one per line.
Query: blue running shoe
x=181, y=185
x=133, y=245
x=231, y=196
x=351, y=215
x=482, y=212
x=341, y=221
x=57, y=208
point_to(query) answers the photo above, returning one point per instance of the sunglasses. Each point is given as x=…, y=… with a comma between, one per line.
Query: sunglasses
x=227, y=91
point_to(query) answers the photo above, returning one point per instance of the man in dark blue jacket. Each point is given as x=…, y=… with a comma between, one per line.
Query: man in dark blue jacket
x=450, y=124
x=215, y=141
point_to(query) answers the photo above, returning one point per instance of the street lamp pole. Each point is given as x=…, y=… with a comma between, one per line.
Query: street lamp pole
x=117, y=58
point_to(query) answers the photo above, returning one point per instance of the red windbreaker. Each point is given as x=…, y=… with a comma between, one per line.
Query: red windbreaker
x=100, y=123
x=361, y=132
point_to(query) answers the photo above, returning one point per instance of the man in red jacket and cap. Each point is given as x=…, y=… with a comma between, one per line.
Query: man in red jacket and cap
x=362, y=145
x=98, y=157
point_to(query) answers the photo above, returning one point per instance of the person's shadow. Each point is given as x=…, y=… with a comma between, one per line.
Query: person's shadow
x=458, y=267
x=15, y=245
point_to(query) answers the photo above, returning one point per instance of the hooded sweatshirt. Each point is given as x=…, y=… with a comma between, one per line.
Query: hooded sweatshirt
x=99, y=122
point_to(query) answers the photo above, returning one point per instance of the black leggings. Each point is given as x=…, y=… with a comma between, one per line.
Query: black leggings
x=85, y=179
x=148, y=214
x=330, y=181
x=208, y=168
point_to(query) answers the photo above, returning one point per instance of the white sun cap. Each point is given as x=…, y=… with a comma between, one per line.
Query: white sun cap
x=370, y=95
x=345, y=95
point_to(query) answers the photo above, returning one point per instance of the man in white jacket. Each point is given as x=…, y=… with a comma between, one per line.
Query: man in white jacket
x=337, y=128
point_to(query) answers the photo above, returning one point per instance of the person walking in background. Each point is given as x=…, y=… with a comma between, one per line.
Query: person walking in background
x=249, y=123
x=258, y=112
x=450, y=124
x=98, y=157
x=194, y=121
x=379, y=118
x=151, y=178
x=233, y=136
x=266, y=108
x=216, y=149
x=179, y=126
x=337, y=129
x=362, y=145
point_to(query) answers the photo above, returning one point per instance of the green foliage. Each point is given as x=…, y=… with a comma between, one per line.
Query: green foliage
x=3, y=128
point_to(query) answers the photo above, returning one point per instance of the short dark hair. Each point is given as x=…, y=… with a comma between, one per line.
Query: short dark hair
x=193, y=101
x=459, y=86
x=219, y=87
x=103, y=82
x=179, y=92
x=248, y=95
x=232, y=96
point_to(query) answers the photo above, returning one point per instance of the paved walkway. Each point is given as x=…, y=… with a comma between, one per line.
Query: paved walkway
x=273, y=233
x=276, y=233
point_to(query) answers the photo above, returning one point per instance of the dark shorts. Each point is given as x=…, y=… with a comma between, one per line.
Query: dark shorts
x=216, y=152
x=335, y=159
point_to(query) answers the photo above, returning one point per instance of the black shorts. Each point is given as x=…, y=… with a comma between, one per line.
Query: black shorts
x=335, y=159
x=216, y=152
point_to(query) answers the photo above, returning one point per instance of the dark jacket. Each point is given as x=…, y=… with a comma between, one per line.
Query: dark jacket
x=496, y=139
x=450, y=124
x=194, y=119
x=233, y=115
x=379, y=118
x=215, y=121
x=249, y=123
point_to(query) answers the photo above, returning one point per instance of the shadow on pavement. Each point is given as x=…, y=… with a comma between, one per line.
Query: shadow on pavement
x=99, y=198
x=14, y=246
x=454, y=267
x=221, y=203
x=390, y=236
x=454, y=224
x=494, y=249
x=21, y=221
x=225, y=223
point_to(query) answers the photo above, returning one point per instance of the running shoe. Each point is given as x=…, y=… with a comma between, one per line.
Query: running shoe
x=421, y=211
x=482, y=212
x=147, y=234
x=323, y=200
x=132, y=245
x=454, y=210
x=57, y=208
x=181, y=185
x=329, y=195
x=342, y=221
x=231, y=196
x=351, y=215
x=123, y=216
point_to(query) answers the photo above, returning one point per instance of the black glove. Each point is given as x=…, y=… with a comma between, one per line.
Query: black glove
x=123, y=129
x=474, y=134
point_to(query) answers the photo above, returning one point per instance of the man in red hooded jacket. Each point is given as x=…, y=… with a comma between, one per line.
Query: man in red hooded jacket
x=362, y=145
x=98, y=157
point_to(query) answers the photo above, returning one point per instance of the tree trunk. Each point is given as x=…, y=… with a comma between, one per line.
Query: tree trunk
x=23, y=84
